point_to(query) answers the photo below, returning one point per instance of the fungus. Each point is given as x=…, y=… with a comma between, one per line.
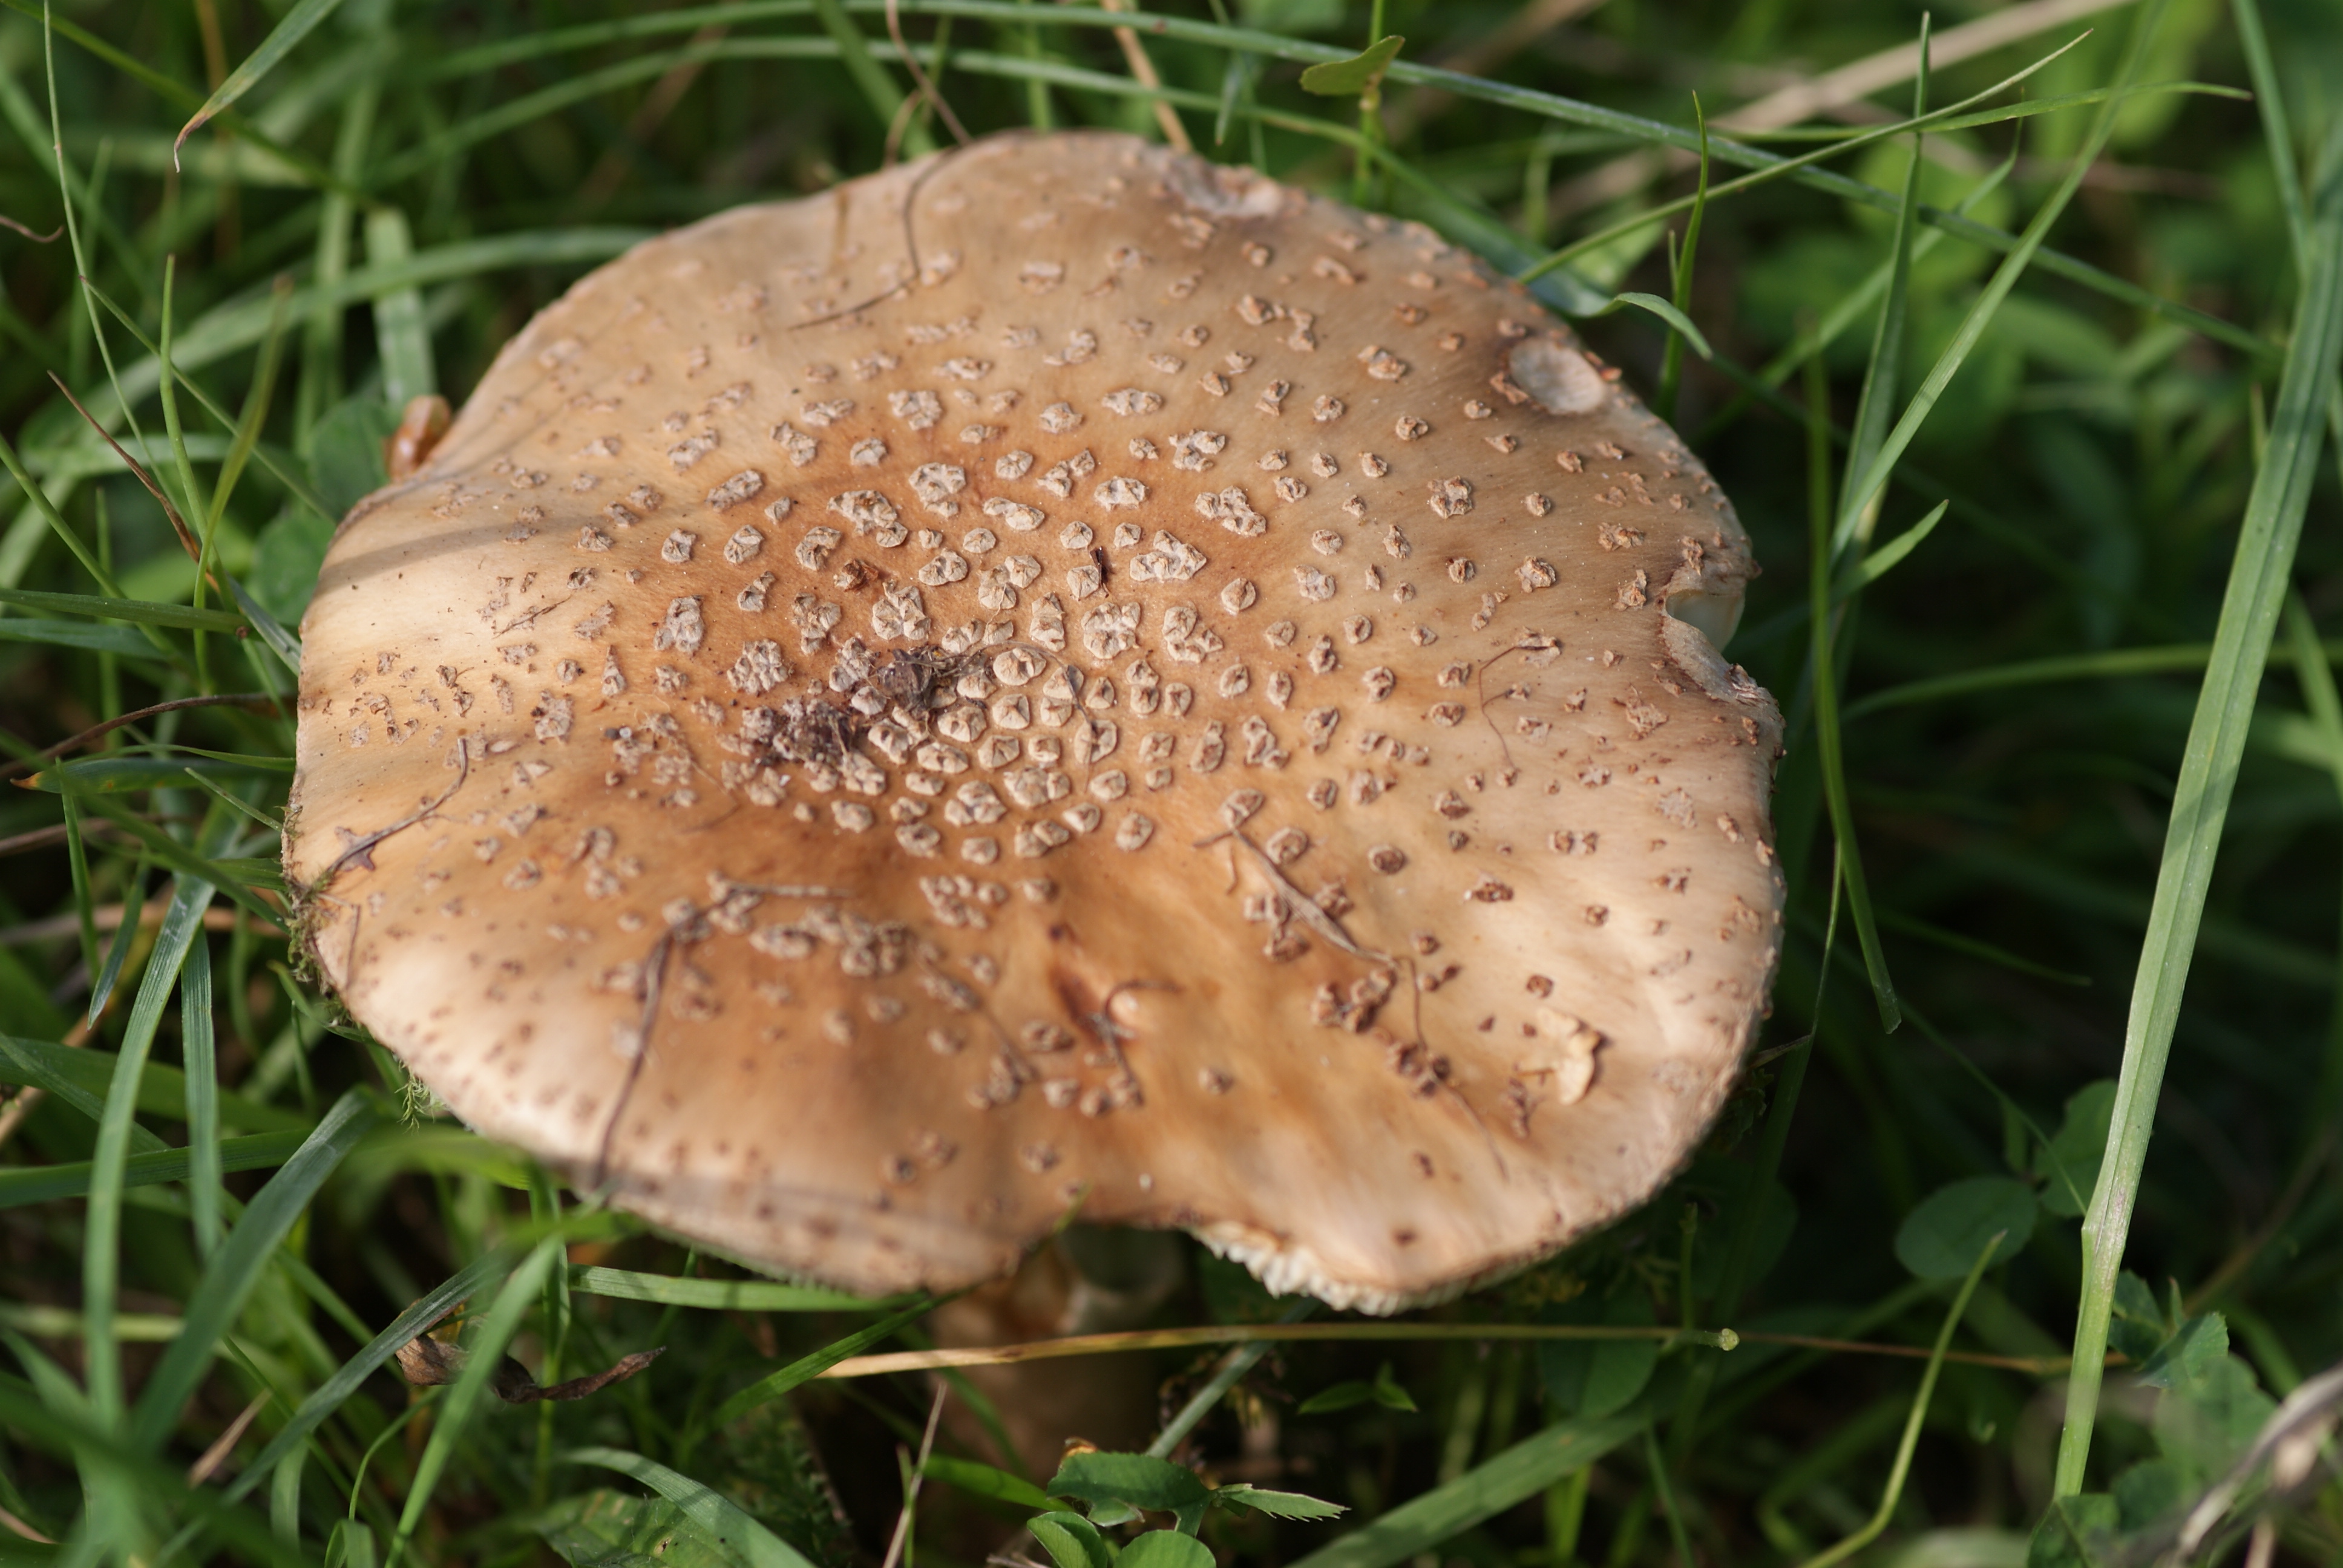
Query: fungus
x=987, y=818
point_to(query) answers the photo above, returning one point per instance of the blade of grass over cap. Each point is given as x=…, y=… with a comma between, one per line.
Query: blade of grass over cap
x=722, y=1295
x=2258, y=576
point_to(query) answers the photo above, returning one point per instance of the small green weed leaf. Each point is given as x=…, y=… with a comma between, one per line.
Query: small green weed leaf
x=2150, y=1492
x=2206, y=1425
x=720, y=1522
x=2077, y=1532
x=1667, y=312
x=2187, y=1357
x=984, y=1481
x=1072, y=1541
x=2137, y=1326
x=284, y=561
x=1941, y=1239
x=2070, y=1161
x=1356, y=75
x=1165, y=1549
x=1337, y=1396
x=1276, y=1504
x=1386, y=1392
x=1141, y=1480
x=1591, y=1379
x=346, y=451
x=603, y=1529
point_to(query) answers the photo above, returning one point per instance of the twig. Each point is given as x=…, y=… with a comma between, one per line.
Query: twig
x=1253, y=1333
x=49, y=238
x=920, y=77
x=920, y=1469
x=109, y=917
x=178, y=524
x=1135, y=54
x=207, y=1463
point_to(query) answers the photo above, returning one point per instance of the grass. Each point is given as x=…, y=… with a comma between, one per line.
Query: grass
x=2038, y=435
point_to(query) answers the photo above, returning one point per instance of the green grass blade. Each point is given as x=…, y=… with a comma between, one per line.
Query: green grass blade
x=1870, y=430
x=1489, y=1489
x=2209, y=770
x=84, y=906
x=1823, y=670
x=249, y=424
x=201, y=1082
x=1872, y=479
x=330, y=1394
x=877, y=89
x=79, y=634
x=1680, y=325
x=162, y=1088
x=1777, y=168
x=1910, y=1441
x=102, y=1227
x=399, y=330
x=2277, y=137
x=807, y=1368
x=179, y=857
x=281, y=642
x=72, y=541
x=503, y=1322
x=118, y=951
x=185, y=97
x=235, y=1269
x=732, y=1531
x=1860, y=575
x=297, y=25
x=123, y=775
x=1664, y=401
x=21, y=1185
x=21, y=1066
x=76, y=1433
x=723, y=1295
x=143, y=611
x=200, y=445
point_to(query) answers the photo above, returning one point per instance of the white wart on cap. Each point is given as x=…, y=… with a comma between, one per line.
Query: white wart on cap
x=1060, y=674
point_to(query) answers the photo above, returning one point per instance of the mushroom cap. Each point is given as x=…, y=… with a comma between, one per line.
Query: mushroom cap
x=1057, y=676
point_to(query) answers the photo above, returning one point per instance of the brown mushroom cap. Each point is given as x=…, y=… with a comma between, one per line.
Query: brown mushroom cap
x=1059, y=675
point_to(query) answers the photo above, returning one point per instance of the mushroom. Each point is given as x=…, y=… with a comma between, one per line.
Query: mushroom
x=1060, y=677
